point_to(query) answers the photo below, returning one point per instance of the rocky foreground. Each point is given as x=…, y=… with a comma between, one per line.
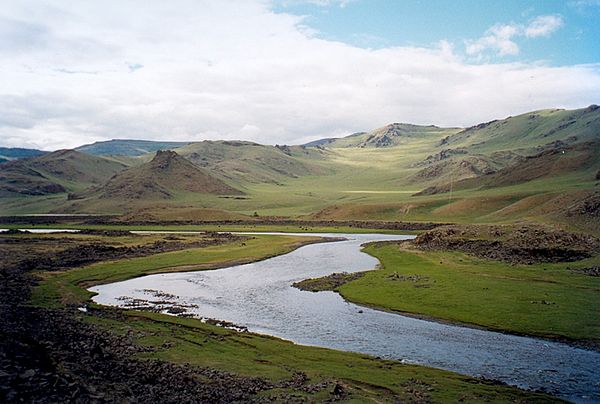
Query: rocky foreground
x=52, y=356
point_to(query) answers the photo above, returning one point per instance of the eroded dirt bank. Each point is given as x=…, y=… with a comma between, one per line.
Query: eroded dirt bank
x=516, y=244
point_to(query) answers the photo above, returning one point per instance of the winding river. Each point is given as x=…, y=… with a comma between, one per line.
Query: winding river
x=259, y=297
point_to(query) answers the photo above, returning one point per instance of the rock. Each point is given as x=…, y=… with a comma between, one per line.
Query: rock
x=523, y=244
x=339, y=391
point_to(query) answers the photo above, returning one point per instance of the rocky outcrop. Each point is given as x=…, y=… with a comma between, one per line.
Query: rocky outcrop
x=518, y=244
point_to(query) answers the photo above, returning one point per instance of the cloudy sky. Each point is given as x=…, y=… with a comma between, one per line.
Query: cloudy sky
x=284, y=71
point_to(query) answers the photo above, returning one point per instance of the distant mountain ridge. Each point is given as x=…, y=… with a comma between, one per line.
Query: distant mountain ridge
x=250, y=162
x=394, y=134
x=14, y=153
x=530, y=129
x=127, y=147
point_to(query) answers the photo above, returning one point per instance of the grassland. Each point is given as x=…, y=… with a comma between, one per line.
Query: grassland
x=190, y=341
x=545, y=300
x=364, y=184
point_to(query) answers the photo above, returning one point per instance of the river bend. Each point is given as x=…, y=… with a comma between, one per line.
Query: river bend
x=259, y=297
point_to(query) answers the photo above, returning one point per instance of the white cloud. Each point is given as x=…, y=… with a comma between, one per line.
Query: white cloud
x=501, y=38
x=498, y=38
x=543, y=25
x=74, y=72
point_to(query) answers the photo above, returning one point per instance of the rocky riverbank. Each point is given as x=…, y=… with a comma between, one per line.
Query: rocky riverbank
x=51, y=355
x=515, y=244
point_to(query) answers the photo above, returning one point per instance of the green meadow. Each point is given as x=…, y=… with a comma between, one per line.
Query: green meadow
x=545, y=300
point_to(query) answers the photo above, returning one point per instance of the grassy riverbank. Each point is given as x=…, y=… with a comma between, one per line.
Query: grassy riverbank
x=295, y=371
x=546, y=300
x=363, y=378
x=70, y=287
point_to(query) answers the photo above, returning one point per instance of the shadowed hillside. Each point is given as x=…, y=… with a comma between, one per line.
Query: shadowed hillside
x=55, y=172
x=252, y=162
x=580, y=158
x=162, y=178
x=18, y=178
x=14, y=153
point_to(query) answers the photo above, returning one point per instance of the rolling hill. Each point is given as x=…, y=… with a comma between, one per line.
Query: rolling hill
x=17, y=178
x=529, y=130
x=391, y=135
x=562, y=160
x=248, y=162
x=166, y=175
x=56, y=172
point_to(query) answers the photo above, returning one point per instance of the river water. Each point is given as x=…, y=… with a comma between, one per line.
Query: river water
x=259, y=296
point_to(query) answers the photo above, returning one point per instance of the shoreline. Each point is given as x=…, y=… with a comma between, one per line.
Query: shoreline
x=207, y=266
x=436, y=375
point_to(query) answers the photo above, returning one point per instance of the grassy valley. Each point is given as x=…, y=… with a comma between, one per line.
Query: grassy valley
x=488, y=173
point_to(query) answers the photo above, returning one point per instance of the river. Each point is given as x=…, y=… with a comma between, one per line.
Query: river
x=259, y=296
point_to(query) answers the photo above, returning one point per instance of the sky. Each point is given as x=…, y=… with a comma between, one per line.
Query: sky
x=284, y=71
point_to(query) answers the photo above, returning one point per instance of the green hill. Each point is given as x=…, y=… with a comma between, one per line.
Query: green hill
x=530, y=130
x=248, y=162
x=582, y=159
x=391, y=135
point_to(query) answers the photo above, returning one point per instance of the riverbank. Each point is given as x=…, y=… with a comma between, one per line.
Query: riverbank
x=255, y=225
x=56, y=352
x=454, y=279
